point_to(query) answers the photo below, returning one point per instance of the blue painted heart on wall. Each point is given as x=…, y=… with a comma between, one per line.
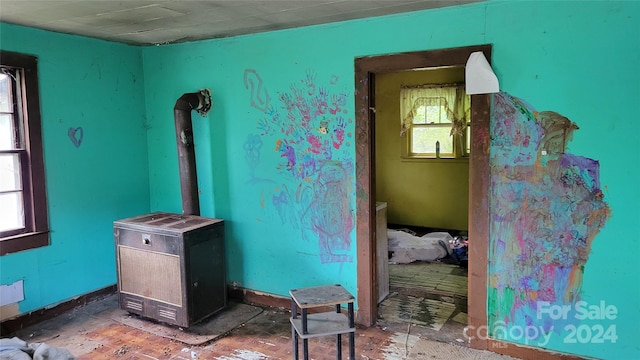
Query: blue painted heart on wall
x=76, y=135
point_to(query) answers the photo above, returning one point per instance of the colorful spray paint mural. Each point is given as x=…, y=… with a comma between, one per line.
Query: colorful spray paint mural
x=547, y=207
x=308, y=130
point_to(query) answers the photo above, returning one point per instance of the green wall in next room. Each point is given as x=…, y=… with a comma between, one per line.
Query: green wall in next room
x=419, y=192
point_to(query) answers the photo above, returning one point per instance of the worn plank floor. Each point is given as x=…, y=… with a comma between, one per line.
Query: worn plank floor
x=423, y=318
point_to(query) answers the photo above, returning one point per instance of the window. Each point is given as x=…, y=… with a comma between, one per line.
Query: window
x=435, y=121
x=23, y=206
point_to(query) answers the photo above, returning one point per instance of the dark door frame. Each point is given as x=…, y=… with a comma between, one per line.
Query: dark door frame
x=365, y=70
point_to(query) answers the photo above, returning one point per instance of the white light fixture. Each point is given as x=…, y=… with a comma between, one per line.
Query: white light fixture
x=479, y=77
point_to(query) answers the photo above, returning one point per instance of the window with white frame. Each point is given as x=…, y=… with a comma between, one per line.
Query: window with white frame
x=23, y=206
x=435, y=121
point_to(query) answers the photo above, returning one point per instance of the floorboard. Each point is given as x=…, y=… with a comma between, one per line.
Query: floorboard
x=428, y=297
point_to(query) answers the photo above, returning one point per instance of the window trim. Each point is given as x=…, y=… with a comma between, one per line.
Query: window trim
x=35, y=200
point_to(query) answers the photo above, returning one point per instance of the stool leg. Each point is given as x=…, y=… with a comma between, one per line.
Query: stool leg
x=338, y=339
x=352, y=335
x=304, y=321
x=294, y=337
x=352, y=347
x=294, y=333
x=305, y=349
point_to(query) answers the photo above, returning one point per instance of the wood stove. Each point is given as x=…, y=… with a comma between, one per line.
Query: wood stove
x=171, y=267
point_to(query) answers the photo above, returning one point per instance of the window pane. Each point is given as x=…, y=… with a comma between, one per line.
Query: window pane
x=420, y=116
x=432, y=112
x=11, y=211
x=5, y=99
x=23, y=202
x=437, y=115
x=7, y=141
x=423, y=140
x=10, y=172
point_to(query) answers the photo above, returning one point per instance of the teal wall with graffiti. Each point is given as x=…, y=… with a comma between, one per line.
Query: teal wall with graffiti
x=275, y=156
x=95, y=154
x=287, y=193
x=579, y=64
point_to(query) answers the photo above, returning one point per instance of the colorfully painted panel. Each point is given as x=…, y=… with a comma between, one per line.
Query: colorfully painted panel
x=547, y=207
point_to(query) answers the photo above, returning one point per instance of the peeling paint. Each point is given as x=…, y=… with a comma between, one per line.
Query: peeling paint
x=548, y=208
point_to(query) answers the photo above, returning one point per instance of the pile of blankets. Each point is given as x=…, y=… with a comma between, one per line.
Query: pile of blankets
x=406, y=247
x=17, y=349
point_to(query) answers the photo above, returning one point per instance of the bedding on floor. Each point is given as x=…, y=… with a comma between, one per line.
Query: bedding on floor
x=17, y=349
x=406, y=247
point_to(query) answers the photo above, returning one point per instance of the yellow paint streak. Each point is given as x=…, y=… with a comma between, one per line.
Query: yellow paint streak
x=575, y=278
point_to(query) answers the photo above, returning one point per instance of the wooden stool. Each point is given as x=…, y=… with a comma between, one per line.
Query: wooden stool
x=322, y=324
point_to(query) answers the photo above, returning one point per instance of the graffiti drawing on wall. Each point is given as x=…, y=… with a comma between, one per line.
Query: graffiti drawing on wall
x=309, y=134
x=76, y=135
x=259, y=96
x=549, y=207
x=252, y=152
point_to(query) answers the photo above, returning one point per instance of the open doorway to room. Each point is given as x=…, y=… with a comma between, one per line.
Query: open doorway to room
x=421, y=165
x=372, y=281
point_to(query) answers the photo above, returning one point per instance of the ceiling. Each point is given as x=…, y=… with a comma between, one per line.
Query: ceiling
x=141, y=22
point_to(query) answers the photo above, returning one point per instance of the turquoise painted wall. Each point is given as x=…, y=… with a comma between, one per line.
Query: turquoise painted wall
x=97, y=86
x=272, y=212
x=578, y=60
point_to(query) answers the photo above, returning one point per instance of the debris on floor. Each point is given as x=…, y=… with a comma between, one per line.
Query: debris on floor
x=17, y=349
x=91, y=332
x=245, y=355
x=460, y=250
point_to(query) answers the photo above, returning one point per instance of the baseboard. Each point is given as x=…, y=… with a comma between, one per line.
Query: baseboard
x=262, y=299
x=22, y=321
x=252, y=297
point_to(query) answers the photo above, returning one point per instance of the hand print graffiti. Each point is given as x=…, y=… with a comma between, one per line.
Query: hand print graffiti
x=310, y=137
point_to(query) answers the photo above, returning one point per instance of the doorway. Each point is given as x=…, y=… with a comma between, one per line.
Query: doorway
x=365, y=76
x=426, y=203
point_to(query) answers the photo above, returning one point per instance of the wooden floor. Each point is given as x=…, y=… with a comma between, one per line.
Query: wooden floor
x=91, y=333
x=426, y=309
x=434, y=278
x=431, y=297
